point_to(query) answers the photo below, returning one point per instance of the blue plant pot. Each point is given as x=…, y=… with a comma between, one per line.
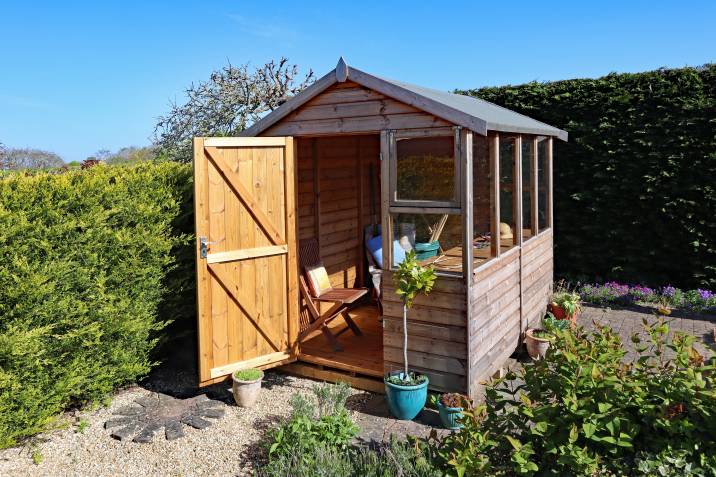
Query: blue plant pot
x=450, y=416
x=405, y=402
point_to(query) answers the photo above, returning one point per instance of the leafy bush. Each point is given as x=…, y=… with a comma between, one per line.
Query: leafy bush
x=640, y=164
x=583, y=410
x=383, y=460
x=316, y=441
x=325, y=423
x=87, y=259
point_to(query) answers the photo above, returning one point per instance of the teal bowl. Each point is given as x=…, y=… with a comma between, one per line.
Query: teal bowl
x=450, y=416
x=406, y=402
x=426, y=250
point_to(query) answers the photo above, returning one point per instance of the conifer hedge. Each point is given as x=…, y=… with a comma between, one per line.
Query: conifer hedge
x=87, y=261
x=635, y=186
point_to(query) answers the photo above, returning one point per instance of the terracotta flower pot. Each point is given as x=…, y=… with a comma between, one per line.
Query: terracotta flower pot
x=536, y=347
x=561, y=314
x=246, y=392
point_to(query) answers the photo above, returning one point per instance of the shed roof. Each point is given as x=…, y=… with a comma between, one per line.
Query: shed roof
x=475, y=114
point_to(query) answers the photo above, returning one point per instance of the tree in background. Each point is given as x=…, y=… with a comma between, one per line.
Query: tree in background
x=124, y=156
x=28, y=158
x=232, y=99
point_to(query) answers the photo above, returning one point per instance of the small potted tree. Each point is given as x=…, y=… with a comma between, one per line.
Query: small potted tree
x=407, y=392
x=247, y=386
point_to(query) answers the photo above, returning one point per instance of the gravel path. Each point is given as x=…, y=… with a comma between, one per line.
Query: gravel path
x=225, y=448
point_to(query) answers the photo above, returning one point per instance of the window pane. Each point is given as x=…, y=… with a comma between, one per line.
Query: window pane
x=426, y=169
x=542, y=184
x=436, y=238
x=527, y=152
x=508, y=234
x=481, y=199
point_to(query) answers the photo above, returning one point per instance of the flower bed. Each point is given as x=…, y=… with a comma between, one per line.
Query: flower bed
x=614, y=293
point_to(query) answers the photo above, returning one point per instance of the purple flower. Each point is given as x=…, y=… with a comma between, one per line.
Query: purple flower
x=705, y=295
x=668, y=290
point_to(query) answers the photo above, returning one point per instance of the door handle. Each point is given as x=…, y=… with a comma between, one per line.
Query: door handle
x=204, y=246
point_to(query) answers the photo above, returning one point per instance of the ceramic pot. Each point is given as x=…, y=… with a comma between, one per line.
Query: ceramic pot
x=246, y=392
x=536, y=347
x=405, y=402
x=450, y=416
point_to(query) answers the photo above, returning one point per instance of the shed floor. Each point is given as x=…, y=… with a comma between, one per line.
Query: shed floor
x=361, y=354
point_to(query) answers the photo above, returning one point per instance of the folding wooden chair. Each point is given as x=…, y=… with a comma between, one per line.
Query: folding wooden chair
x=315, y=289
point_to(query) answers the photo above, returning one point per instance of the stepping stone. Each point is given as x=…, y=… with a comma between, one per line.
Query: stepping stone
x=143, y=421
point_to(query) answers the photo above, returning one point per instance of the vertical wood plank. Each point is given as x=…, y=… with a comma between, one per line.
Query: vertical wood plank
x=466, y=165
x=233, y=240
x=291, y=184
x=385, y=159
x=217, y=235
x=550, y=182
x=359, y=208
x=518, y=223
x=495, y=195
x=534, y=193
x=203, y=297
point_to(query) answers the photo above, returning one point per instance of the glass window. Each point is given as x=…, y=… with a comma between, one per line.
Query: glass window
x=425, y=169
x=542, y=184
x=527, y=156
x=481, y=199
x=436, y=239
x=508, y=195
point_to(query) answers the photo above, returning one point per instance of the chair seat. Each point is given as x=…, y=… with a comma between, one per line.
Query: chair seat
x=345, y=295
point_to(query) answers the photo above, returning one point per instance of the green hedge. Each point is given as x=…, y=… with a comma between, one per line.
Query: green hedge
x=88, y=259
x=635, y=186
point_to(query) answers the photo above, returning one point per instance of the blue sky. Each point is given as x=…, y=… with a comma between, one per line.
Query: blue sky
x=84, y=76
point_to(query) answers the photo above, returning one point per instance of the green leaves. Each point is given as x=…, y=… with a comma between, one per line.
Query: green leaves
x=584, y=411
x=86, y=279
x=413, y=279
x=640, y=144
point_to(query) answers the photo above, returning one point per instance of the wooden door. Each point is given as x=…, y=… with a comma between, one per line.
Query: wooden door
x=246, y=254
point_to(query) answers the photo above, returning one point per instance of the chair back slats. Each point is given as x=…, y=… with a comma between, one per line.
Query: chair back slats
x=308, y=253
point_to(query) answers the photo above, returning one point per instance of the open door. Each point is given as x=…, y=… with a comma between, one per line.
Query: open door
x=247, y=274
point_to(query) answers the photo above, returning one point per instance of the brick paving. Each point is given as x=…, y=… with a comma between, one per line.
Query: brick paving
x=628, y=321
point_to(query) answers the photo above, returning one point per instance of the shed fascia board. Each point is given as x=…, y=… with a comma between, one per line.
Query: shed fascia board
x=292, y=104
x=558, y=133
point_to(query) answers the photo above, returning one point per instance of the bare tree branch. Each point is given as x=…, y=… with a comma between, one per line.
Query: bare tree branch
x=232, y=99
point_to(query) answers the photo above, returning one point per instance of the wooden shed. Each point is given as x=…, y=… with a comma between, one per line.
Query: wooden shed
x=465, y=182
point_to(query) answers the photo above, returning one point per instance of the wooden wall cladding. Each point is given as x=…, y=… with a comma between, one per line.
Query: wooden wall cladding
x=437, y=333
x=334, y=204
x=507, y=295
x=351, y=108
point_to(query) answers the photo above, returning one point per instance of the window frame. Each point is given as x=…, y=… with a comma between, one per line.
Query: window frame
x=394, y=136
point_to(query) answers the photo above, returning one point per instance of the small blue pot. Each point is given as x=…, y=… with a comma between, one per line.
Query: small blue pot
x=450, y=416
x=406, y=402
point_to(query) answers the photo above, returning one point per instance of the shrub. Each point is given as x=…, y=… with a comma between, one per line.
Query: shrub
x=325, y=423
x=583, y=410
x=317, y=441
x=86, y=258
x=641, y=160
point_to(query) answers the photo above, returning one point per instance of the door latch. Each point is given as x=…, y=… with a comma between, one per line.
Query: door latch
x=204, y=246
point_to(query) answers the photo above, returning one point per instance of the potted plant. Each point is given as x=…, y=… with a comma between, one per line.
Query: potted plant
x=247, y=386
x=450, y=407
x=566, y=305
x=537, y=341
x=407, y=392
